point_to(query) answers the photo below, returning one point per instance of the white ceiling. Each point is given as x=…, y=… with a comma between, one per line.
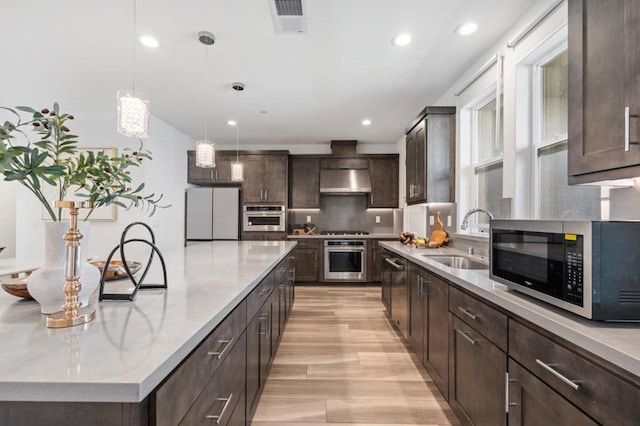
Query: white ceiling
x=315, y=87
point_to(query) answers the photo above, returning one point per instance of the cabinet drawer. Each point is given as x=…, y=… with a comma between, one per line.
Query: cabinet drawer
x=605, y=397
x=486, y=320
x=216, y=403
x=176, y=395
x=302, y=242
x=259, y=295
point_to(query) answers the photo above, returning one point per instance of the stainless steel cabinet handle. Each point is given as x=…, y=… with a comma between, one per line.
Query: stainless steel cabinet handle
x=468, y=313
x=467, y=337
x=394, y=264
x=563, y=379
x=211, y=176
x=219, y=416
x=411, y=191
x=371, y=198
x=266, y=194
x=507, y=404
x=627, y=128
x=627, y=124
x=227, y=345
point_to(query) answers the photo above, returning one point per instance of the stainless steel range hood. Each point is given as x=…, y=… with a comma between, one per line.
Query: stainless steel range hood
x=345, y=181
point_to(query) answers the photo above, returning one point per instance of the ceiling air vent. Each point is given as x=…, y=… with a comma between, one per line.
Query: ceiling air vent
x=288, y=16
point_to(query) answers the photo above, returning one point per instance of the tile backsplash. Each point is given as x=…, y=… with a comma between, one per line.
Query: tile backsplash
x=344, y=213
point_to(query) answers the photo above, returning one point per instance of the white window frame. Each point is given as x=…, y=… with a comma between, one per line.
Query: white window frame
x=537, y=144
x=484, y=97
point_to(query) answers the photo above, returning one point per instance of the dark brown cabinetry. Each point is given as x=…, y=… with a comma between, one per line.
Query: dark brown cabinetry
x=417, y=294
x=604, y=90
x=265, y=178
x=531, y=402
x=436, y=331
x=304, y=178
x=264, y=236
x=600, y=394
x=430, y=156
x=304, y=181
x=477, y=360
x=476, y=376
x=307, y=259
x=384, y=174
x=375, y=260
x=204, y=176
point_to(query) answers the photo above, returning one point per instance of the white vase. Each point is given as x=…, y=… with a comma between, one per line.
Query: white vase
x=46, y=284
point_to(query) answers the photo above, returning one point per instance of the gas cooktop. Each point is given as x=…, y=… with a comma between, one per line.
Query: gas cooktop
x=344, y=233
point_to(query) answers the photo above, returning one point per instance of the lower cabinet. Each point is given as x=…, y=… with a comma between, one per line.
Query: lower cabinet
x=307, y=260
x=495, y=369
x=436, y=331
x=264, y=236
x=417, y=295
x=224, y=391
x=531, y=402
x=477, y=370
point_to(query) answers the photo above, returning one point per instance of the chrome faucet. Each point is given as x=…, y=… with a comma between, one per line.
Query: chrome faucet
x=465, y=221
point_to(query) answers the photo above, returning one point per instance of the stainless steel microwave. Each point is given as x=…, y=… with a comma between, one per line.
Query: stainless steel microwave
x=588, y=268
x=264, y=218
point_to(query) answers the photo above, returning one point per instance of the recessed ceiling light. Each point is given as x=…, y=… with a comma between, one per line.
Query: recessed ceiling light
x=231, y=122
x=149, y=41
x=467, y=28
x=366, y=122
x=401, y=39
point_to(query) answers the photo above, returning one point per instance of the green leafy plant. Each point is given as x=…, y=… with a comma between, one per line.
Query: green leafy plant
x=55, y=160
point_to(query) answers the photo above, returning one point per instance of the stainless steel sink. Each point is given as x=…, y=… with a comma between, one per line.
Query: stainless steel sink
x=457, y=262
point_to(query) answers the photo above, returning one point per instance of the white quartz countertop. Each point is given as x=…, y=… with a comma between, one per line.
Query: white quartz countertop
x=617, y=343
x=130, y=347
x=372, y=236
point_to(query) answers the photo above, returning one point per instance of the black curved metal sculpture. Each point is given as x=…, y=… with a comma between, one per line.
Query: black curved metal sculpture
x=138, y=284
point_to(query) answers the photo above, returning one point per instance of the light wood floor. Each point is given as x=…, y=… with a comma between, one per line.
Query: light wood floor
x=340, y=362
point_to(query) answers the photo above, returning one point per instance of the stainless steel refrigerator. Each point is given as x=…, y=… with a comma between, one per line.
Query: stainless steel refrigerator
x=213, y=213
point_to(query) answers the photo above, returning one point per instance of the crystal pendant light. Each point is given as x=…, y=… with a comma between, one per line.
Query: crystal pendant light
x=133, y=107
x=237, y=168
x=205, y=149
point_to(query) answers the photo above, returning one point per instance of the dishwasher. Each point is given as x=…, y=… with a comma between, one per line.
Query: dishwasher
x=395, y=269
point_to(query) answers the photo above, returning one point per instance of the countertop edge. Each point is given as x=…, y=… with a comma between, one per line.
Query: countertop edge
x=566, y=326
x=129, y=392
x=152, y=381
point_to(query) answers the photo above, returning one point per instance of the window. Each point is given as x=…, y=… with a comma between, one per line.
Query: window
x=555, y=199
x=487, y=163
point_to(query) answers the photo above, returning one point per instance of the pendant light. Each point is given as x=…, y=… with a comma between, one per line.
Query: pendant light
x=133, y=107
x=237, y=168
x=205, y=150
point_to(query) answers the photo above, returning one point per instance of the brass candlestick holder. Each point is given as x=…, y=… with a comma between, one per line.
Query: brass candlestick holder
x=73, y=313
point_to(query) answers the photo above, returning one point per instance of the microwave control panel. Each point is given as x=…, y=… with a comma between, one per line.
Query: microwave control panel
x=574, y=269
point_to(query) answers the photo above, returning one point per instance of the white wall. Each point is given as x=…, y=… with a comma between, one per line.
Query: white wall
x=166, y=174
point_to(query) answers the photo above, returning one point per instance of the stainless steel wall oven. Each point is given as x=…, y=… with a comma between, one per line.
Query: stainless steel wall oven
x=264, y=218
x=345, y=260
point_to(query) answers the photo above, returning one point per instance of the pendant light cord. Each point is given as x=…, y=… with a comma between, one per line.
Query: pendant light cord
x=237, y=125
x=204, y=89
x=133, y=77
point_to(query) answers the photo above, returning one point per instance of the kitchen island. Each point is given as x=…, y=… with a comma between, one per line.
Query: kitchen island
x=122, y=357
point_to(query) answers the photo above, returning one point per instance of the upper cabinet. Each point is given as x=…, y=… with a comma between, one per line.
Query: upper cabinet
x=384, y=171
x=430, y=156
x=304, y=178
x=265, y=178
x=604, y=90
x=304, y=181
x=221, y=173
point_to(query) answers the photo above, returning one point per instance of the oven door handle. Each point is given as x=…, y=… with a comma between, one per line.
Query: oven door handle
x=337, y=249
x=399, y=267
